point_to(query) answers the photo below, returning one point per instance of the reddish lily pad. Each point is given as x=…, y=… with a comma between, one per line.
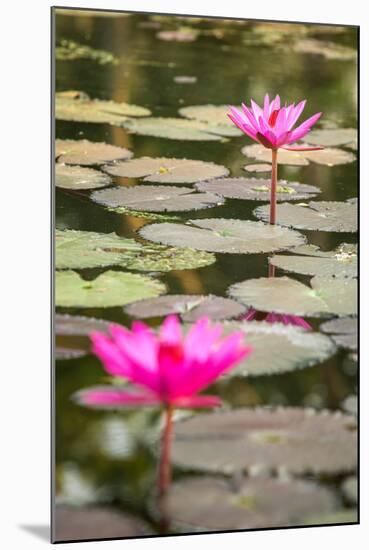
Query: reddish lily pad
x=87, y=153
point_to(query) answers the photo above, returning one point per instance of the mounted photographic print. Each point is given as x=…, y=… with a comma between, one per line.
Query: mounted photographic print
x=205, y=243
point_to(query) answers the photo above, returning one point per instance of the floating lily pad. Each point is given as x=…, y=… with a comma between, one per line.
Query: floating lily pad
x=93, y=522
x=183, y=34
x=183, y=79
x=78, y=325
x=156, y=198
x=145, y=215
x=255, y=503
x=329, y=50
x=215, y=114
x=289, y=439
x=62, y=353
x=223, y=235
x=68, y=50
x=86, y=153
x=350, y=404
x=284, y=295
x=341, y=262
x=315, y=216
x=257, y=189
x=278, y=348
x=77, y=177
x=83, y=109
x=329, y=137
x=179, y=128
x=258, y=168
x=86, y=249
x=335, y=518
x=112, y=288
x=166, y=170
x=327, y=157
x=350, y=489
x=191, y=307
x=343, y=331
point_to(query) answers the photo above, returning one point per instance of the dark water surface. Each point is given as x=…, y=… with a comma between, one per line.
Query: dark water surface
x=106, y=457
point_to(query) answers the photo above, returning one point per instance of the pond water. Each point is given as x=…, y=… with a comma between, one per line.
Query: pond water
x=109, y=458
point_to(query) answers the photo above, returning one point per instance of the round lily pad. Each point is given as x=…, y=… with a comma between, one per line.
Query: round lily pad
x=257, y=189
x=167, y=170
x=179, y=128
x=254, y=503
x=77, y=177
x=310, y=260
x=86, y=249
x=284, y=295
x=215, y=114
x=112, y=288
x=191, y=307
x=329, y=137
x=289, y=439
x=258, y=168
x=327, y=157
x=156, y=198
x=62, y=353
x=315, y=216
x=223, y=235
x=73, y=523
x=78, y=325
x=87, y=153
x=278, y=348
x=344, y=331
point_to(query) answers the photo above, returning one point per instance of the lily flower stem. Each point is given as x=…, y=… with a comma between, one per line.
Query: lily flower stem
x=273, y=190
x=165, y=473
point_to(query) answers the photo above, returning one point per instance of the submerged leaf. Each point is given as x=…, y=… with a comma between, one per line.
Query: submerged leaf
x=289, y=439
x=284, y=295
x=257, y=189
x=343, y=331
x=167, y=170
x=327, y=157
x=112, y=288
x=156, y=198
x=179, y=128
x=224, y=235
x=87, y=153
x=315, y=216
x=77, y=177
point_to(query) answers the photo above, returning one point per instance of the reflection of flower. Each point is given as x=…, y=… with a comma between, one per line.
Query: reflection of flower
x=276, y=318
x=272, y=125
x=168, y=369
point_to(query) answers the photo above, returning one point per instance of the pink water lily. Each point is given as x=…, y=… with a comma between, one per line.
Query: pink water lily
x=274, y=127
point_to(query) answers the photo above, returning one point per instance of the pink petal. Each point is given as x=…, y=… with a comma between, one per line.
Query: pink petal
x=258, y=112
x=197, y=401
x=113, y=360
x=170, y=331
x=108, y=396
x=275, y=104
x=295, y=114
x=304, y=128
x=251, y=117
x=266, y=109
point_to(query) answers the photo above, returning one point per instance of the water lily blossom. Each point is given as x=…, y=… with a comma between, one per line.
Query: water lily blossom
x=274, y=127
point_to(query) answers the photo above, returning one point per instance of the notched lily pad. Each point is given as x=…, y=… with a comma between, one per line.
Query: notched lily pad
x=77, y=177
x=278, y=348
x=179, y=128
x=223, y=235
x=191, y=307
x=327, y=296
x=331, y=137
x=167, y=170
x=327, y=157
x=112, y=288
x=344, y=332
x=156, y=198
x=257, y=189
x=310, y=260
x=335, y=216
x=87, y=153
x=289, y=439
x=256, y=503
x=87, y=249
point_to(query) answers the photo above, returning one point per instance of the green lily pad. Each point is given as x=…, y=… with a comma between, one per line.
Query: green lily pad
x=78, y=325
x=335, y=216
x=310, y=260
x=156, y=198
x=68, y=50
x=343, y=331
x=254, y=503
x=257, y=189
x=179, y=128
x=167, y=170
x=87, y=249
x=329, y=50
x=327, y=157
x=329, y=137
x=81, y=108
x=284, y=295
x=223, y=235
x=295, y=440
x=191, y=307
x=77, y=177
x=215, y=114
x=112, y=288
x=258, y=168
x=278, y=348
x=87, y=153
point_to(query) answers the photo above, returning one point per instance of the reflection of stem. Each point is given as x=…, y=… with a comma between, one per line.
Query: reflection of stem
x=165, y=468
x=273, y=189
